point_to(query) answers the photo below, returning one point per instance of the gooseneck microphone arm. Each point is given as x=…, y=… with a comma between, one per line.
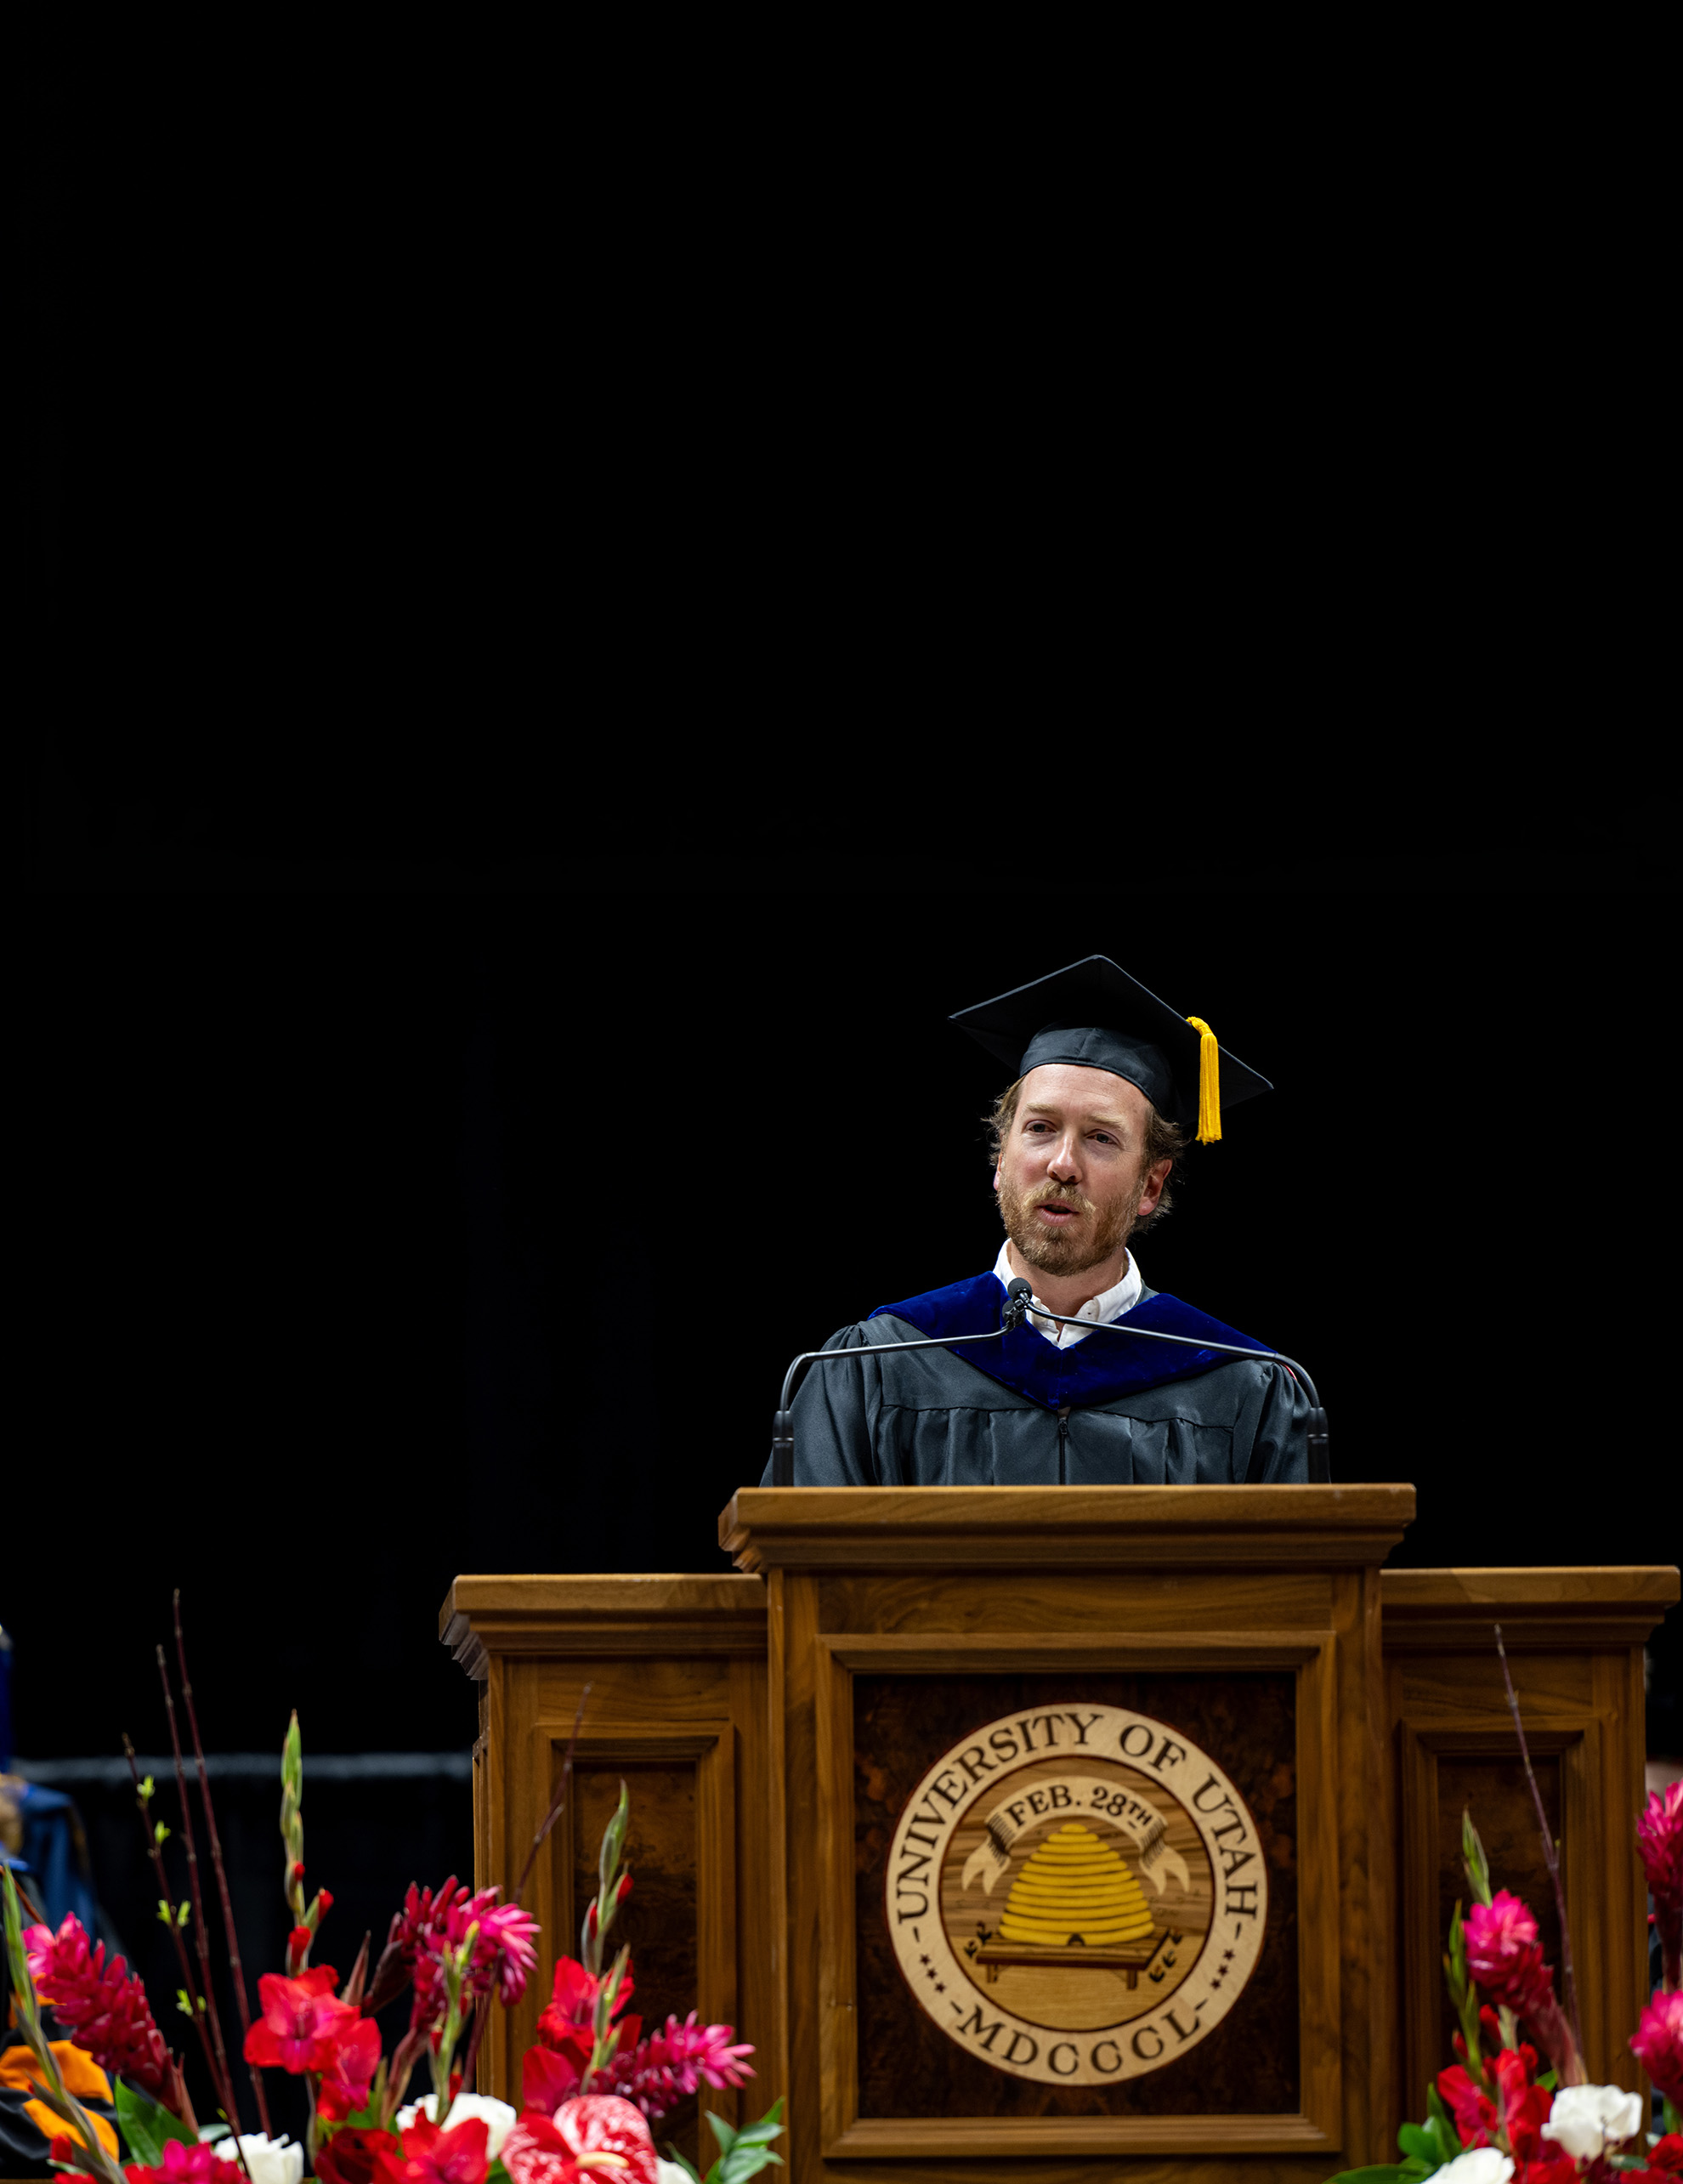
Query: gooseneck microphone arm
x=782, y=1429
x=1018, y=1300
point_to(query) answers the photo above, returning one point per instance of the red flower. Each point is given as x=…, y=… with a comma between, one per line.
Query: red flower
x=669, y=2066
x=103, y=2007
x=1658, y=2043
x=538, y=2152
x=430, y=2156
x=568, y=2024
x=1525, y=2106
x=1665, y=2161
x=1555, y=2169
x=181, y=2164
x=1474, y=2112
x=302, y=2024
x=547, y=2079
x=349, y=2156
x=345, y=2089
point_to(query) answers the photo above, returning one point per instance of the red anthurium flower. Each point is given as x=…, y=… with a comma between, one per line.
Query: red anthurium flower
x=349, y=2157
x=344, y=2087
x=1475, y=2112
x=1658, y=2043
x=590, y=2140
x=302, y=2024
x=429, y=2156
x=181, y=2164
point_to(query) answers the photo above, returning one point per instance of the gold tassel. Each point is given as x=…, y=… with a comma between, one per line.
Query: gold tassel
x=1209, y=1083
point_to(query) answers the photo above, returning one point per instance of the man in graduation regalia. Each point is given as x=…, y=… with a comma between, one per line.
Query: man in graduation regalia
x=1110, y=1086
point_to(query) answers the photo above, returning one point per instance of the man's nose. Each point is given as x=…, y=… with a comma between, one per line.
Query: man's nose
x=1063, y=1163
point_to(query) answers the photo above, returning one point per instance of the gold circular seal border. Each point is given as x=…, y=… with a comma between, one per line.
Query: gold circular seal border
x=976, y=1767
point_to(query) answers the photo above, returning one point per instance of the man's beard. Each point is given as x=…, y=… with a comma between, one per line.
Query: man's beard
x=1053, y=1252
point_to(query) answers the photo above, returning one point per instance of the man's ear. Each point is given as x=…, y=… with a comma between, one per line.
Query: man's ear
x=1156, y=1176
x=997, y=1178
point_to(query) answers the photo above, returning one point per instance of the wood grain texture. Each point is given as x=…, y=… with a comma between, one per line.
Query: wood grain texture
x=1576, y=1638
x=972, y=1527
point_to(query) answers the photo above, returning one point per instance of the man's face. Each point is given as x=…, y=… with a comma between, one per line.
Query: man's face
x=1070, y=1177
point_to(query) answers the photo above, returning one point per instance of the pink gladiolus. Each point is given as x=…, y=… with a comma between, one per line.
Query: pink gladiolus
x=1657, y=2045
x=102, y=2008
x=302, y=2025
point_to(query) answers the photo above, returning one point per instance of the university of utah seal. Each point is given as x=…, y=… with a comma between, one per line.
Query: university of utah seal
x=1076, y=1895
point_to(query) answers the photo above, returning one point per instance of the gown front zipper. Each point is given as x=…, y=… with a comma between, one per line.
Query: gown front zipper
x=1063, y=1446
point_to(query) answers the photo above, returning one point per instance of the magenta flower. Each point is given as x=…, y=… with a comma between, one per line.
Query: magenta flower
x=1657, y=2045
x=503, y=1949
x=666, y=2068
x=181, y=2164
x=1504, y=1954
x=1659, y=1838
x=103, y=2007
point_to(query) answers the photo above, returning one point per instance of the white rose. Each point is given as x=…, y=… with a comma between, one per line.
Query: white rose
x=1482, y=2165
x=277, y=2162
x=668, y=2172
x=1587, y=2120
x=498, y=2117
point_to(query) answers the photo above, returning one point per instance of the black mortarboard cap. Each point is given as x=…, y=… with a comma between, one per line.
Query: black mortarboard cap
x=1093, y=1013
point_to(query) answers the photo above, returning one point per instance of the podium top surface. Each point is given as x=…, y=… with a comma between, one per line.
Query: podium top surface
x=865, y=1527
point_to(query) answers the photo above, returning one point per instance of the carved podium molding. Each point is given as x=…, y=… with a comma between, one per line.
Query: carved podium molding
x=783, y=1730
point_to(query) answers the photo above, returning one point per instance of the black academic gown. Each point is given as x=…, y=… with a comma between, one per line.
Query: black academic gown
x=934, y=1418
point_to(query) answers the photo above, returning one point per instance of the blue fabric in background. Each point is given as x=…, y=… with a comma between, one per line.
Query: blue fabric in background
x=54, y=1855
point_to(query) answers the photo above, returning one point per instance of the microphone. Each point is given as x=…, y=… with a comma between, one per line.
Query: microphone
x=1019, y=1296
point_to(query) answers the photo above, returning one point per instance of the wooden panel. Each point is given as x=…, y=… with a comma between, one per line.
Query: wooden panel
x=1136, y=1601
x=991, y=1527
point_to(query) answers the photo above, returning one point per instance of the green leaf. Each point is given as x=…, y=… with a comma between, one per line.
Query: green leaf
x=1473, y=1858
x=497, y=2174
x=160, y=1833
x=147, y=1789
x=1419, y=2140
x=146, y=2125
x=723, y=2132
x=747, y=2150
x=1448, y=2138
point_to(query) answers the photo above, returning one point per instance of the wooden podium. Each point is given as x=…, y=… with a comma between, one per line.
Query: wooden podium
x=1057, y=1832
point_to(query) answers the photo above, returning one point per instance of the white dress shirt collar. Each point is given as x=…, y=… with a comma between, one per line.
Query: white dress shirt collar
x=1110, y=1304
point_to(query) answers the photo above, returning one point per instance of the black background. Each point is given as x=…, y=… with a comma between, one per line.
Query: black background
x=574, y=607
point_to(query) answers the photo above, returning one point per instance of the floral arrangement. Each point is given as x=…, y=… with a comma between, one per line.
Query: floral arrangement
x=589, y=2088
x=1493, y=2116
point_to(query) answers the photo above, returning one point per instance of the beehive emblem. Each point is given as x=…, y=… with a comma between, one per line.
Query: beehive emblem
x=1076, y=1891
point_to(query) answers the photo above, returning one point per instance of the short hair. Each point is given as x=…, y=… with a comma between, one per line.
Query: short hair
x=1163, y=1140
